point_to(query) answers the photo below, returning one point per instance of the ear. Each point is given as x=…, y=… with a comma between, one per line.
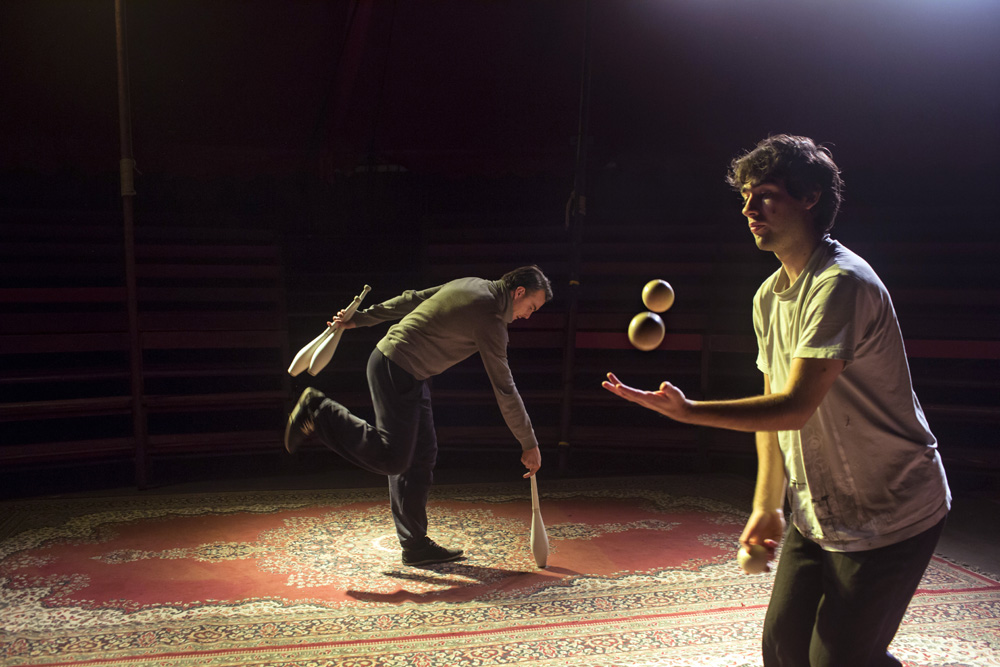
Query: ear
x=519, y=292
x=811, y=199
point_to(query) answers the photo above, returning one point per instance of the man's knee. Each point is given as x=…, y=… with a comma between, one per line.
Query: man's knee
x=396, y=465
x=404, y=460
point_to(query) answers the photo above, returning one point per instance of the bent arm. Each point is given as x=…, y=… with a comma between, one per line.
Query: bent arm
x=393, y=309
x=785, y=410
x=766, y=524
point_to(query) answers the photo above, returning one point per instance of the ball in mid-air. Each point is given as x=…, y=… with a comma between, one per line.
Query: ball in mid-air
x=646, y=331
x=658, y=295
x=754, y=560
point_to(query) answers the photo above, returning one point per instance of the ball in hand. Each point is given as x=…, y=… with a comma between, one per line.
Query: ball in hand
x=754, y=560
x=658, y=295
x=646, y=331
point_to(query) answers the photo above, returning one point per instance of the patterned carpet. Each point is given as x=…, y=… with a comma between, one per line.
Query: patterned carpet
x=641, y=574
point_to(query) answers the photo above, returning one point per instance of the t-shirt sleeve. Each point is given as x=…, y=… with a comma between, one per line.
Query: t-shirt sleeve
x=758, y=328
x=830, y=320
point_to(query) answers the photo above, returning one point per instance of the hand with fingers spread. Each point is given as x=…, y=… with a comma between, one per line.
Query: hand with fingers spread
x=668, y=400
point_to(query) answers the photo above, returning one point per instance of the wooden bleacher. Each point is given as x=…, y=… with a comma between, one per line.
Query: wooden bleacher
x=63, y=339
x=221, y=314
x=212, y=330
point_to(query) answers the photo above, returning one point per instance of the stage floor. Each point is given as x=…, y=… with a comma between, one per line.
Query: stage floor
x=641, y=572
x=971, y=536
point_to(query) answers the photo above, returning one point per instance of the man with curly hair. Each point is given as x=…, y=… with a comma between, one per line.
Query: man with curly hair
x=840, y=433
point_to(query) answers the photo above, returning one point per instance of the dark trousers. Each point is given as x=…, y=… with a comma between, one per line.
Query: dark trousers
x=833, y=609
x=402, y=444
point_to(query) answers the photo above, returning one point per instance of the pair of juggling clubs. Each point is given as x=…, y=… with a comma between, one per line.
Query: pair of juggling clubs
x=317, y=354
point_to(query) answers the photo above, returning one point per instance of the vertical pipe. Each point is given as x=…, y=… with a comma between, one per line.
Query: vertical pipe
x=576, y=216
x=126, y=174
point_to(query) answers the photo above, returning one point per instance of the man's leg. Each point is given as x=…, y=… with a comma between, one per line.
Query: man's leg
x=386, y=449
x=396, y=392
x=867, y=593
x=409, y=490
x=795, y=595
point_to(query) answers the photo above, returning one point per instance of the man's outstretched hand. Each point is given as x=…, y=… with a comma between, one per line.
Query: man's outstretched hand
x=667, y=400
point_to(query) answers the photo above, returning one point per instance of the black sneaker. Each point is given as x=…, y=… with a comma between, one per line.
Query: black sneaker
x=300, y=423
x=432, y=552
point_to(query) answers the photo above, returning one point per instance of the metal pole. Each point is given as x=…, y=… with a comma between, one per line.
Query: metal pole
x=575, y=218
x=127, y=174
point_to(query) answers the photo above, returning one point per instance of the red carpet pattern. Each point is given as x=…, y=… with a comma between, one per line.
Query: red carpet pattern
x=641, y=573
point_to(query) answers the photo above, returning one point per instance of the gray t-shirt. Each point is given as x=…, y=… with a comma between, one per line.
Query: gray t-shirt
x=864, y=471
x=441, y=326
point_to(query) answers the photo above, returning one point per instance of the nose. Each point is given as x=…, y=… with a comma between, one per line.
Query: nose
x=750, y=206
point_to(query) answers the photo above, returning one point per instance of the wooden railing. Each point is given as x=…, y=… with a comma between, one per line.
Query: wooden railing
x=212, y=331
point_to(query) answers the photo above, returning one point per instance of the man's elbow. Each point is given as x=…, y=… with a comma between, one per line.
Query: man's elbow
x=798, y=420
x=796, y=414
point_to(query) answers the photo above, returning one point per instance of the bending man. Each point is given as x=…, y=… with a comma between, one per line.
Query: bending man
x=438, y=327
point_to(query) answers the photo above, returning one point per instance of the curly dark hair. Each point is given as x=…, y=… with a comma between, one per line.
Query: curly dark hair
x=802, y=166
x=530, y=278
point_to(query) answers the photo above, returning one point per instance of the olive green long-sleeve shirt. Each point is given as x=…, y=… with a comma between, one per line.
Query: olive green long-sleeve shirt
x=441, y=326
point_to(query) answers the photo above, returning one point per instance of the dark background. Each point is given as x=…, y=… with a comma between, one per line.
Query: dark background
x=907, y=93
x=352, y=128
